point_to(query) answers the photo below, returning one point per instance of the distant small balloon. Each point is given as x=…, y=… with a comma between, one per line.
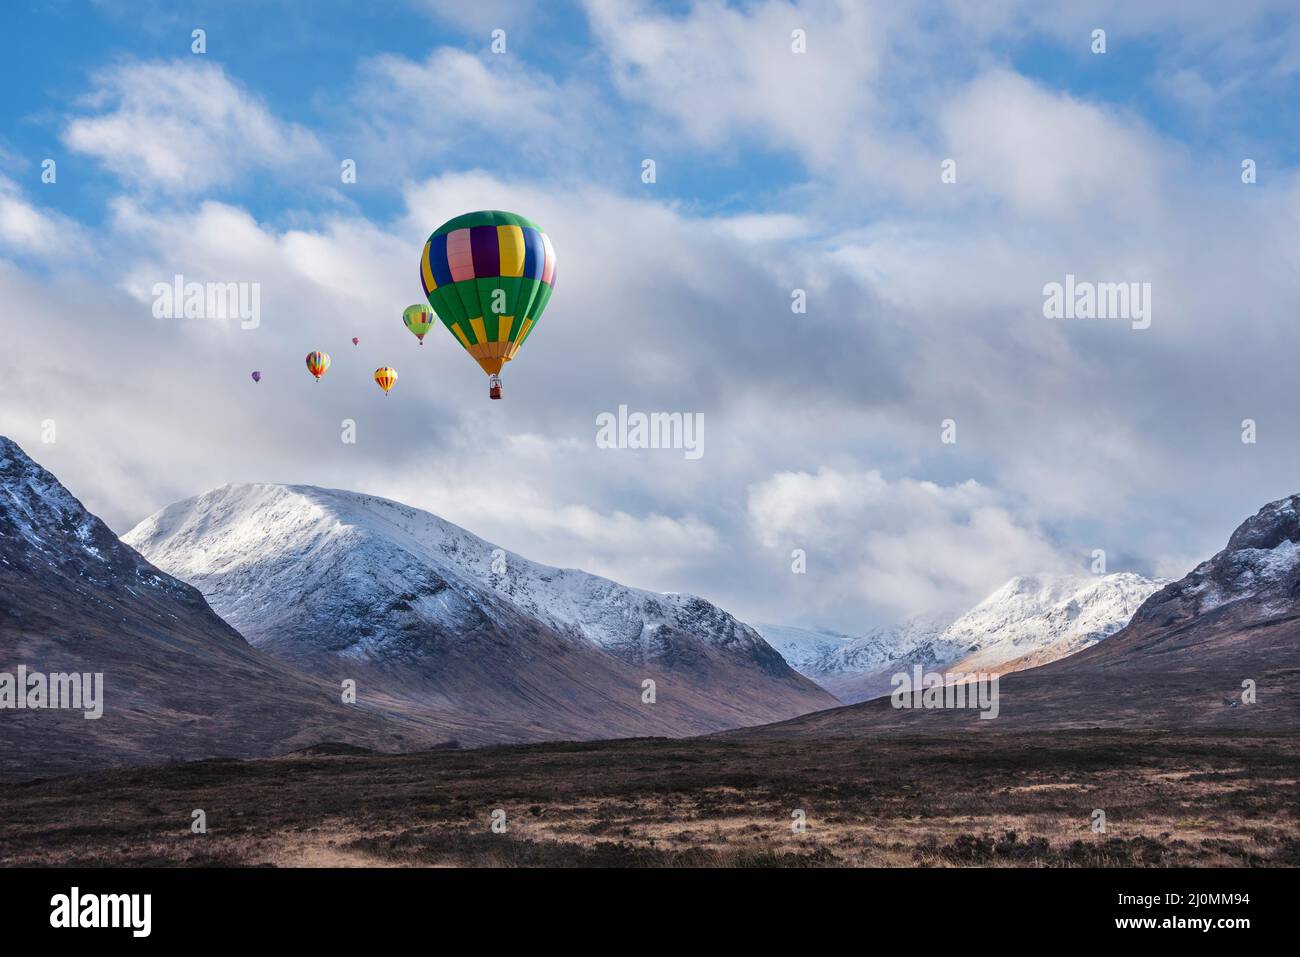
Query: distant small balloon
x=355, y=340
x=385, y=378
x=257, y=377
x=419, y=319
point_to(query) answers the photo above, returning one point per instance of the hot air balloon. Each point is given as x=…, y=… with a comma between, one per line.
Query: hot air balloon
x=317, y=363
x=386, y=376
x=489, y=276
x=355, y=340
x=419, y=319
x=257, y=377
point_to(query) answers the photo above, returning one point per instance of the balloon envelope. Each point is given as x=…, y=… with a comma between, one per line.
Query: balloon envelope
x=386, y=377
x=317, y=363
x=489, y=275
x=355, y=340
x=419, y=319
x=257, y=377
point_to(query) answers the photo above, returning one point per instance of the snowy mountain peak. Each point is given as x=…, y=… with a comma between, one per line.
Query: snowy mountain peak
x=1258, y=572
x=36, y=507
x=41, y=521
x=343, y=584
x=1033, y=620
x=1028, y=621
x=1027, y=595
x=248, y=546
x=916, y=640
x=1277, y=523
x=803, y=648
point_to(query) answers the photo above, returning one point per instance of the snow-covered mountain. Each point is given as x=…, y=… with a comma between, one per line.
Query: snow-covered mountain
x=916, y=639
x=346, y=584
x=1217, y=649
x=1257, y=575
x=802, y=648
x=1029, y=621
x=177, y=681
x=862, y=667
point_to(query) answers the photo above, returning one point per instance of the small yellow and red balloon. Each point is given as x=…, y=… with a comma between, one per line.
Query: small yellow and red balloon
x=386, y=378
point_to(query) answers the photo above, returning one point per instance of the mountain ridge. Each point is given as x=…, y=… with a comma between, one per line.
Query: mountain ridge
x=1030, y=620
x=178, y=682
x=1216, y=649
x=336, y=581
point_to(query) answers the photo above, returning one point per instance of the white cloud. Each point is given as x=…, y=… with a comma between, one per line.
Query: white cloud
x=183, y=126
x=541, y=519
x=27, y=230
x=1048, y=154
x=879, y=99
x=725, y=75
x=913, y=547
x=469, y=111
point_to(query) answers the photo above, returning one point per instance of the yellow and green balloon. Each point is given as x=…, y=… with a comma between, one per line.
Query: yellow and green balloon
x=419, y=319
x=488, y=276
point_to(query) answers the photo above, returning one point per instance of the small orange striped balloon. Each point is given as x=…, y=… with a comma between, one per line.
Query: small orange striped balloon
x=317, y=363
x=386, y=377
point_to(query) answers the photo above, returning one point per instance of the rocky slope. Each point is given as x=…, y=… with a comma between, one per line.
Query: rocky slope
x=178, y=682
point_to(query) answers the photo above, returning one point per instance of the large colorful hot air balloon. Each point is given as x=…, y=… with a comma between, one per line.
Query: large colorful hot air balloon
x=257, y=377
x=419, y=319
x=489, y=276
x=386, y=376
x=355, y=340
x=317, y=363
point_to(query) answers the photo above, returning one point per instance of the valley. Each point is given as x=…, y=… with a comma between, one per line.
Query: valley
x=996, y=800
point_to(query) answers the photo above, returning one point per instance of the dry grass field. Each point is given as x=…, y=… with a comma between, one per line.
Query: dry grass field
x=984, y=800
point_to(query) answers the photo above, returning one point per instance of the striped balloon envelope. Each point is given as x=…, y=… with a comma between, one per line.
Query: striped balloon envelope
x=386, y=377
x=419, y=319
x=317, y=363
x=489, y=275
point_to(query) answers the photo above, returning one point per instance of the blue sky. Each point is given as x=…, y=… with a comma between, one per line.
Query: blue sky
x=303, y=59
x=775, y=170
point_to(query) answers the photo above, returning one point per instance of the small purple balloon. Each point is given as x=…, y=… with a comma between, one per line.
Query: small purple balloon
x=257, y=377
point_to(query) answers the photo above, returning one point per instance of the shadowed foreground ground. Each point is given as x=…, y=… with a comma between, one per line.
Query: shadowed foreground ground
x=1203, y=799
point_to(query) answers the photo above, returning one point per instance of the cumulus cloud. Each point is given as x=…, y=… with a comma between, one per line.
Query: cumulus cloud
x=472, y=110
x=184, y=126
x=725, y=75
x=546, y=521
x=1049, y=154
x=29, y=231
x=911, y=547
